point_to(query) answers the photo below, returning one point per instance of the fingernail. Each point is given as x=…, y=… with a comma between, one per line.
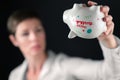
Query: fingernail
x=107, y=7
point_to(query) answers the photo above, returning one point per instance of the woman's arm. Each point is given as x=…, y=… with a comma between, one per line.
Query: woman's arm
x=109, y=68
x=87, y=69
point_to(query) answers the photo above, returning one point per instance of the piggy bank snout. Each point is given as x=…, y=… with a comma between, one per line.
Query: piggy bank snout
x=66, y=16
x=67, y=13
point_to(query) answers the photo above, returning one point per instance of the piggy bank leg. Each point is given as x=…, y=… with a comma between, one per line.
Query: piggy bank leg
x=71, y=35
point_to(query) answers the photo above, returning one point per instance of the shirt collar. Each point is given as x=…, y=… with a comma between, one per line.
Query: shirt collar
x=47, y=65
x=45, y=69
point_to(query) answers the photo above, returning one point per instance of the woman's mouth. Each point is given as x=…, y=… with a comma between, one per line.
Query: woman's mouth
x=36, y=47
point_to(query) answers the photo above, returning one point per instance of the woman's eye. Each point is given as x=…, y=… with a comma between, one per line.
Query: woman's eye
x=38, y=30
x=25, y=34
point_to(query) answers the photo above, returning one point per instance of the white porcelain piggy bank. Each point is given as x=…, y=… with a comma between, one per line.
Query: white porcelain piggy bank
x=84, y=22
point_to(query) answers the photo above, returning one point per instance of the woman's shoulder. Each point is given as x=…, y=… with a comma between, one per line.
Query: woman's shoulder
x=57, y=55
x=64, y=58
x=17, y=71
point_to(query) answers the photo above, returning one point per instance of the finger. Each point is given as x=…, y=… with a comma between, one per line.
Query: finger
x=102, y=36
x=109, y=23
x=110, y=29
x=108, y=18
x=105, y=10
x=90, y=3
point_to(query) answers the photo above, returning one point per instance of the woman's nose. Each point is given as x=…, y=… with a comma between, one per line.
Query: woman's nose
x=33, y=36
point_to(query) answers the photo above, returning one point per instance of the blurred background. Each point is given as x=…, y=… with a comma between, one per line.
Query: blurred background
x=51, y=12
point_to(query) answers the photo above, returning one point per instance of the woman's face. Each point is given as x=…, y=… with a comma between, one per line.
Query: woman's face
x=30, y=37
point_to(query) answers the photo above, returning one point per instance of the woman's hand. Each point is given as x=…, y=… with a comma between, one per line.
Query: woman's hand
x=107, y=38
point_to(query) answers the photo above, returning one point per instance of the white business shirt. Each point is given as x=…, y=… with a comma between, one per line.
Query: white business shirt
x=63, y=67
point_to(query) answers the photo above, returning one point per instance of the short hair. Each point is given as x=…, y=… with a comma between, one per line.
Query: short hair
x=19, y=16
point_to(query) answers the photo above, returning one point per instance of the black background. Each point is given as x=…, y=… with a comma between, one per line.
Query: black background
x=51, y=12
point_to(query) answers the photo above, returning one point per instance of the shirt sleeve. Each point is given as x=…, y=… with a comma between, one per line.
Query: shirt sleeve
x=88, y=69
x=111, y=67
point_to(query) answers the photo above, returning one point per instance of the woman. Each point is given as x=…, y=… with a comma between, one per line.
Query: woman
x=27, y=33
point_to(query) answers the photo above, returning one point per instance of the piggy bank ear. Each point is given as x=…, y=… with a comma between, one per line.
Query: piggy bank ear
x=77, y=6
x=71, y=35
